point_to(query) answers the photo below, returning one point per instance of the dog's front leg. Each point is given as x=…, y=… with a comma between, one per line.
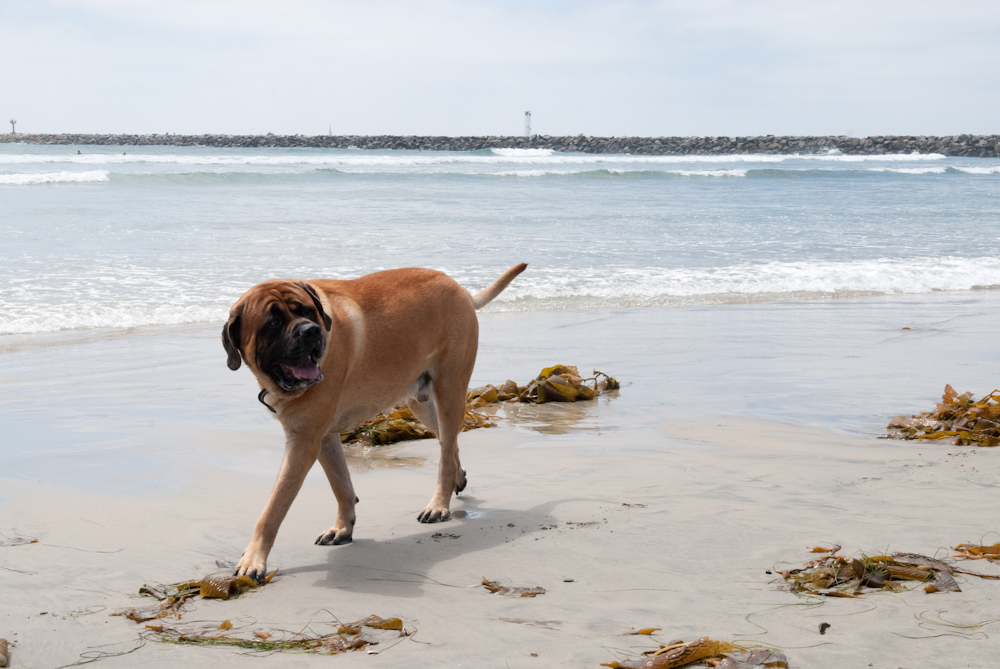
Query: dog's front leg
x=301, y=452
x=331, y=456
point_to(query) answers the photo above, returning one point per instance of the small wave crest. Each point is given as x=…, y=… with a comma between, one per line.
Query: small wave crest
x=709, y=173
x=34, y=178
x=517, y=153
x=995, y=169
x=620, y=172
x=910, y=170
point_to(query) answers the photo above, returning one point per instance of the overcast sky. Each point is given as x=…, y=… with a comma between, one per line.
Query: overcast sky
x=703, y=67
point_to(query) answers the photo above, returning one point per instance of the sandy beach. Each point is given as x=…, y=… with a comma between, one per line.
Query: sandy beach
x=776, y=225
x=742, y=436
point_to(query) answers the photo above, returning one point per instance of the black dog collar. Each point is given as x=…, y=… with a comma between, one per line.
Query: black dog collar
x=260, y=398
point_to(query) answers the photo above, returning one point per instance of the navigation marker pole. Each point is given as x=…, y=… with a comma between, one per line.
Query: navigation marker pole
x=527, y=124
x=12, y=124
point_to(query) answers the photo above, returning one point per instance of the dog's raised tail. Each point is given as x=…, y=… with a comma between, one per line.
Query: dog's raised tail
x=484, y=297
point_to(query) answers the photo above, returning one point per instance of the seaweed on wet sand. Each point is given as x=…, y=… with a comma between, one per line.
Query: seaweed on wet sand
x=705, y=650
x=172, y=598
x=354, y=636
x=402, y=425
x=559, y=383
x=958, y=420
x=839, y=576
x=510, y=590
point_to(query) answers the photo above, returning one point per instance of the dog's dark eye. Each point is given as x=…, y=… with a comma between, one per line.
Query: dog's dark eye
x=275, y=319
x=301, y=310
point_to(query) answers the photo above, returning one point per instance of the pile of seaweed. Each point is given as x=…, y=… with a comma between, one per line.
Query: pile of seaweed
x=839, y=576
x=172, y=598
x=560, y=383
x=720, y=654
x=957, y=420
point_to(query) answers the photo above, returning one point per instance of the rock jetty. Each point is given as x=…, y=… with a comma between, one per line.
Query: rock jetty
x=982, y=146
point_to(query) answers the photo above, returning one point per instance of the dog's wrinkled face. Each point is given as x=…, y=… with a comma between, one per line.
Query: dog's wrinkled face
x=279, y=327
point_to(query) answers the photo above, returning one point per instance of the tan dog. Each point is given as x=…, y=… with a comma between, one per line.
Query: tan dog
x=329, y=355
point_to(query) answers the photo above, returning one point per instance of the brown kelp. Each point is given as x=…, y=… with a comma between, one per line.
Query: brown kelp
x=705, y=650
x=978, y=552
x=402, y=425
x=839, y=576
x=559, y=383
x=957, y=420
x=511, y=591
x=172, y=598
x=358, y=635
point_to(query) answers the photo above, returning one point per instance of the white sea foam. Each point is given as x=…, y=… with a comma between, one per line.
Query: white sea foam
x=552, y=288
x=33, y=178
x=709, y=173
x=144, y=298
x=679, y=173
x=531, y=173
x=995, y=169
x=517, y=153
x=910, y=170
x=863, y=158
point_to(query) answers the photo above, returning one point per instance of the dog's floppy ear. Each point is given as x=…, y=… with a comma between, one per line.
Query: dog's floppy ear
x=232, y=337
x=319, y=306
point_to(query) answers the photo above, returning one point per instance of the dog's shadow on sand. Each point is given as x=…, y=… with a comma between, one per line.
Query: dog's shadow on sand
x=398, y=567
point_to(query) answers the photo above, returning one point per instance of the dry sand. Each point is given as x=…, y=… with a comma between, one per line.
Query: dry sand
x=674, y=530
x=669, y=517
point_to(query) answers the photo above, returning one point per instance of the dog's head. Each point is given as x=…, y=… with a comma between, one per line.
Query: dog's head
x=280, y=328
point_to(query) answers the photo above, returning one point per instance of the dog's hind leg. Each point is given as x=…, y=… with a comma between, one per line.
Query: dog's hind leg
x=426, y=413
x=449, y=400
x=331, y=457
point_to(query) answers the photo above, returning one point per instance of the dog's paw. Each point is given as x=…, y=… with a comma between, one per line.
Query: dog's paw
x=434, y=515
x=254, y=568
x=462, y=482
x=336, y=537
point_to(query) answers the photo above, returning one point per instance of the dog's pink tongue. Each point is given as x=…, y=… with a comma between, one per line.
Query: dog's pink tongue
x=310, y=370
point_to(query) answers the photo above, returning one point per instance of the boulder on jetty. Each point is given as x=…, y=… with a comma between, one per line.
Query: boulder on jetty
x=982, y=146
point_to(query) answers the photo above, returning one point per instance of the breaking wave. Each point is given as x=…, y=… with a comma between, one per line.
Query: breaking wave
x=143, y=297
x=33, y=178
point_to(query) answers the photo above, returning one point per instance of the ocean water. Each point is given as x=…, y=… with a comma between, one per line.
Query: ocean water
x=828, y=291
x=105, y=238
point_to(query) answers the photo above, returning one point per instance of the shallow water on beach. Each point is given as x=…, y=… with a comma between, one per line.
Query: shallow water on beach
x=137, y=412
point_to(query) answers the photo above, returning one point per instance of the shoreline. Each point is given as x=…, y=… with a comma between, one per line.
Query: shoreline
x=975, y=146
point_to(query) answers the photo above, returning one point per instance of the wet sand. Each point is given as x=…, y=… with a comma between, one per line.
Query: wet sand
x=742, y=436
